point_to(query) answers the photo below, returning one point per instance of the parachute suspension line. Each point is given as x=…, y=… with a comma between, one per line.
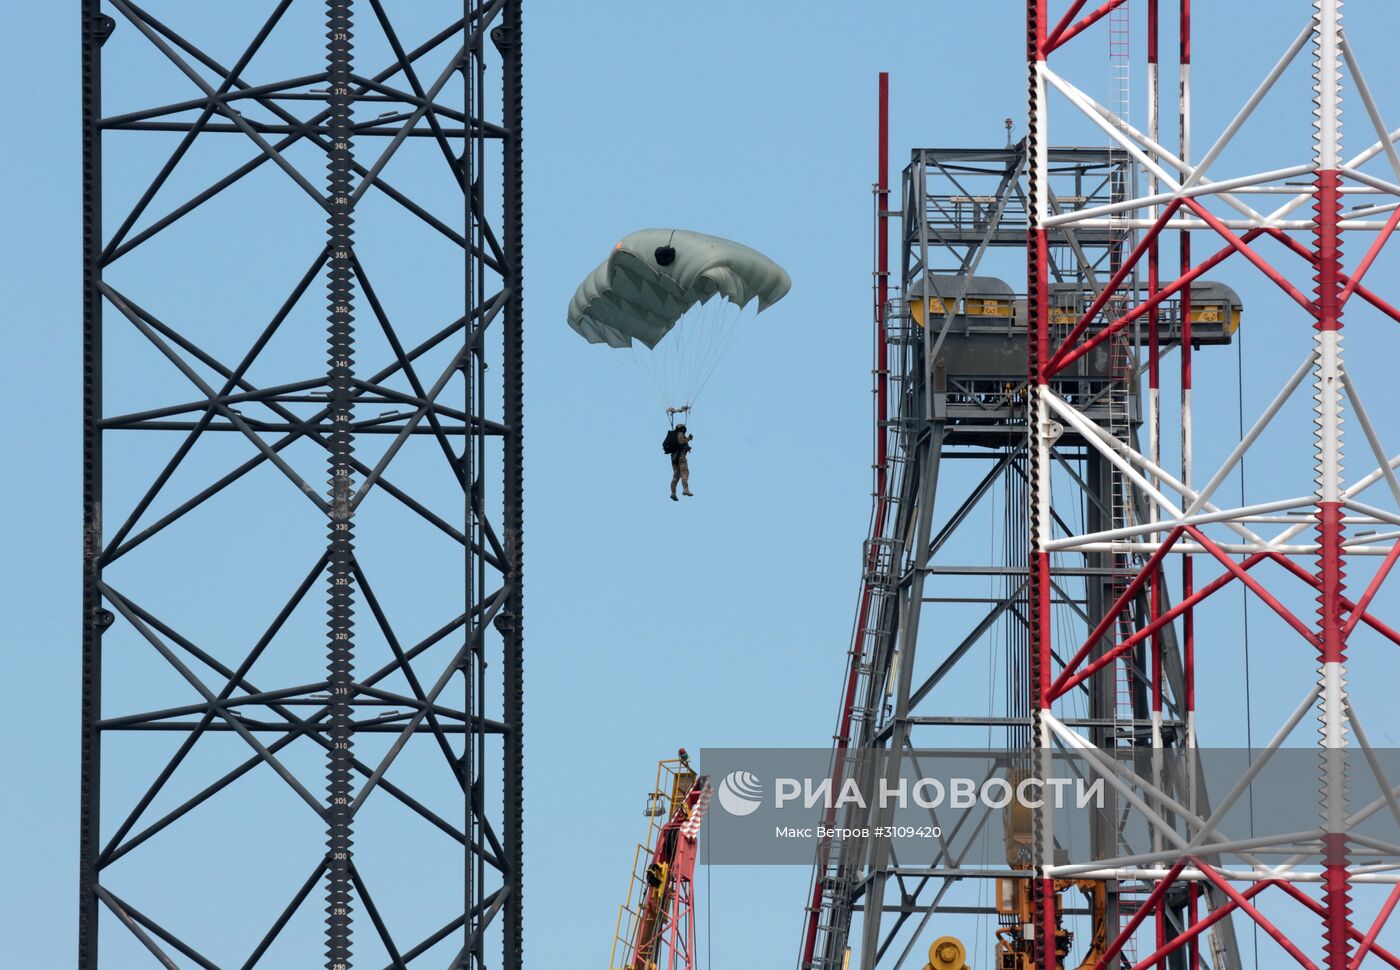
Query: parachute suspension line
x=707, y=326
x=635, y=357
x=682, y=363
x=727, y=332
x=703, y=320
x=699, y=326
x=682, y=350
x=674, y=353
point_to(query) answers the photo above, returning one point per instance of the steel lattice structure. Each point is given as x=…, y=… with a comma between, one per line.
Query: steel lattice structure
x=1127, y=534
x=302, y=704
x=953, y=443
x=1184, y=524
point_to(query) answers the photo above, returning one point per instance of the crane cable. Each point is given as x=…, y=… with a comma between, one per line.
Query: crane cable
x=709, y=921
x=1244, y=600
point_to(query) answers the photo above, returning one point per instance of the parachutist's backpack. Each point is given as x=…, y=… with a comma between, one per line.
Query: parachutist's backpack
x=671, y=443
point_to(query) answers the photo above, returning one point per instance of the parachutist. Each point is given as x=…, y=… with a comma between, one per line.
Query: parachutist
x=677, y=445
x=674, y=298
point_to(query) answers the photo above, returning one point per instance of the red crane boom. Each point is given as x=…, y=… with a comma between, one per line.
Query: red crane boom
x=656, y=924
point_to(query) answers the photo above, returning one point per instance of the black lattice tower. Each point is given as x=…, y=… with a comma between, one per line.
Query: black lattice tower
x=295, y=691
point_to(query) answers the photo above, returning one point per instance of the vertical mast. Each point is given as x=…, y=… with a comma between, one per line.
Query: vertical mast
x=1040, y=433
x=1328, y=382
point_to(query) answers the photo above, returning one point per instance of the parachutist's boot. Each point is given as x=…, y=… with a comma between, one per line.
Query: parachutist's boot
x=687, y=492
x=673, y=497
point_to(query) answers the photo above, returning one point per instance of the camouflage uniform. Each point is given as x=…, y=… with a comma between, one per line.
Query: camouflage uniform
x=680, y=468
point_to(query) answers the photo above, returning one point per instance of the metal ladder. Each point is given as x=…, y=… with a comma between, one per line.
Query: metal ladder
x=1119, y=60
x=882, y=562
x=1122, y=377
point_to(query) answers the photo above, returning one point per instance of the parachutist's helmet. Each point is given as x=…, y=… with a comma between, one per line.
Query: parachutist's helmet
x=665, y=255
x=680, y=428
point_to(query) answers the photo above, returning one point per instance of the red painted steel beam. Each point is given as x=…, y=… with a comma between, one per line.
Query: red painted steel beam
x=1260, y=263
x=1369, y=296
x=1372, y=589
x=1067, y=357
x=1159, y=891
x=882, y=282
x=1066, y=20
x=1356, y=934
x=1149, y=569
x=1365, y=265
x=1382, y=917
x=1067, y=684
x=1142, y=249
x=1064, y=35
x=1255, y=587
x=1197, y=927
x=1259, y=918
x=843, y=732
x=1307, y=577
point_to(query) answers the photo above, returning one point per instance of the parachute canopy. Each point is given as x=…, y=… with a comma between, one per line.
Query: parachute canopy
x=654, y=276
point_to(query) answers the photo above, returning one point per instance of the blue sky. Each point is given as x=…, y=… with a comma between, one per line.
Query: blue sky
x=721, y=622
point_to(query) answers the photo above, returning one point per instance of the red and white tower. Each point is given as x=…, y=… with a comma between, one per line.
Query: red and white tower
x=1288, y=225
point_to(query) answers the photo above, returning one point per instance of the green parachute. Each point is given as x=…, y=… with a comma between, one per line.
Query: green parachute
x=654, y=297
